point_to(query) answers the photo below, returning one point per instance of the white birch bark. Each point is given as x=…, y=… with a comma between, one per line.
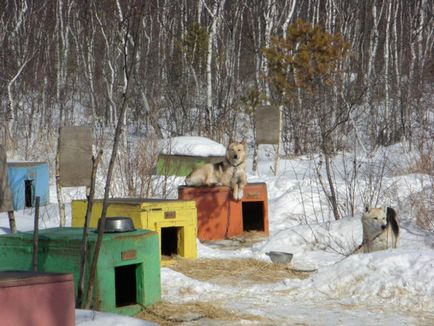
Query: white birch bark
x=109, y=82
x=413, y=76
x=10, y=118
x=386, y=71
x=420, y=34
x=397, y=64
x=373, y=45
x=269, y=16
x=215, y=16
x=62, y=59
x=288, y=18
x=199, y=11
x=331, y=16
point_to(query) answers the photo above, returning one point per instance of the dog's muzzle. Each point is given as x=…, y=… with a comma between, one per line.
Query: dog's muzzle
x=384, y=226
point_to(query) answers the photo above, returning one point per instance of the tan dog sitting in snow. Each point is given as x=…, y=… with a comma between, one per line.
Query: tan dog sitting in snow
x=231, y=172
x=380, y=230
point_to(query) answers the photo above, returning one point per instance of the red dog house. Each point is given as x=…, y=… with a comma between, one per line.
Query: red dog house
x=30, y=298
x=219, y=216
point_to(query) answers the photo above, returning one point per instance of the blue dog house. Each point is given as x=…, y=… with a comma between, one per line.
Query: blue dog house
x=27, y=180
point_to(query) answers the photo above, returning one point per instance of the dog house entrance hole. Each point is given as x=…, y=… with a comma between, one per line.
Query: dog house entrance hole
x=125, y=285
x=169, y=241
x=29, y=192
x=253, y=216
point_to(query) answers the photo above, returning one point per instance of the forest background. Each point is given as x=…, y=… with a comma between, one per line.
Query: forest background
x=162, y=69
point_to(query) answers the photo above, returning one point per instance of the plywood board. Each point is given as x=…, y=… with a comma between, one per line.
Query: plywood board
x=267, y=124
x=5, y=194
x=75, y=156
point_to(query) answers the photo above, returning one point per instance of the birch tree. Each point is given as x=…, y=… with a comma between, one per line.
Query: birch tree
x=373, y=45
x=214, y=12
x=387, y=124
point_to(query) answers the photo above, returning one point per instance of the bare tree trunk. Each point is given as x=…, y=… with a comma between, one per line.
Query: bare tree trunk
x=333, y=195
x=400, y=126
x=277, y=160
x=128, y=64
x=62, y=61
x=288, y=18
x=10, y=112
x=215, y=17
x=387, y=121
x=105, y=203
x=373, y=45
x=84, y=254
x=270, y=16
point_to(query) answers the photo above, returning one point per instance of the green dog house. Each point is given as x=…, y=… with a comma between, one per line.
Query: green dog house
x=128, y=269
x=180, y=155
x=182, y=165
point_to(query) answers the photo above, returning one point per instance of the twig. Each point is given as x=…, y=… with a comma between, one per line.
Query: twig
x=83, y=256
x=36, y=235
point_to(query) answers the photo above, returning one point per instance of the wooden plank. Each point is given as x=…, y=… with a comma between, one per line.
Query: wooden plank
x=5, y=194
x=267, y=124
x=75, y=156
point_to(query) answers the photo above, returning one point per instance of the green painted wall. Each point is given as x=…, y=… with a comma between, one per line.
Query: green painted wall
x=59, y=251
x=182, y=165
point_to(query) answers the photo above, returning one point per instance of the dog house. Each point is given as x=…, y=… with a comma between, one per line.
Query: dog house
x=219, y=216
x=175, y=221
x=31, y=298
x=182, y=165
x=180, y=155
x=26, y=181
x=127, y=273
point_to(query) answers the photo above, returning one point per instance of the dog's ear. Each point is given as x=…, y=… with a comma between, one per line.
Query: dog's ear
x=392, y=218
x=244, y=143
x=390, y=212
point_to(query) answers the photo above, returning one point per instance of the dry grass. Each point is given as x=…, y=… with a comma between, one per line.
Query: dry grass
x=235, y=271
x=167, y=314
x=222, y=271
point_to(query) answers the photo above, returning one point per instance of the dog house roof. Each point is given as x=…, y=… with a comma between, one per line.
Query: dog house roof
x=67, y=234
x=144, y=202
x=24, y=164
x=21, y=278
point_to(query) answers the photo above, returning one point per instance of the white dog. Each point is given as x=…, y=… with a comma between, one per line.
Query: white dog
x=380, y=229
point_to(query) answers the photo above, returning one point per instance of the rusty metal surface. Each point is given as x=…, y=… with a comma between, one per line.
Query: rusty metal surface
x=267, y=124
x=22, y=278
x=75, y=156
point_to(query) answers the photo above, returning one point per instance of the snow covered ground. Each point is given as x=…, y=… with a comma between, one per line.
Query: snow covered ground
x=394, y=287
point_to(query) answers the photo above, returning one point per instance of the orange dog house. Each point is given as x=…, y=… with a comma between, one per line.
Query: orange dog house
x=219, y=216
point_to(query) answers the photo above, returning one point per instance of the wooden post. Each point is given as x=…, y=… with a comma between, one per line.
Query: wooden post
x=12, y=224
x=276, y=163
x=36, y=235
x=5, y=194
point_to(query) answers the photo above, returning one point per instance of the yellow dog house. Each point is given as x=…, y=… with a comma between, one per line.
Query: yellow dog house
x=175, y=221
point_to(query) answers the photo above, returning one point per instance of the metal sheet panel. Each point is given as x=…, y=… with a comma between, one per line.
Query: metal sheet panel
x=267, y=124
x=75, y=156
